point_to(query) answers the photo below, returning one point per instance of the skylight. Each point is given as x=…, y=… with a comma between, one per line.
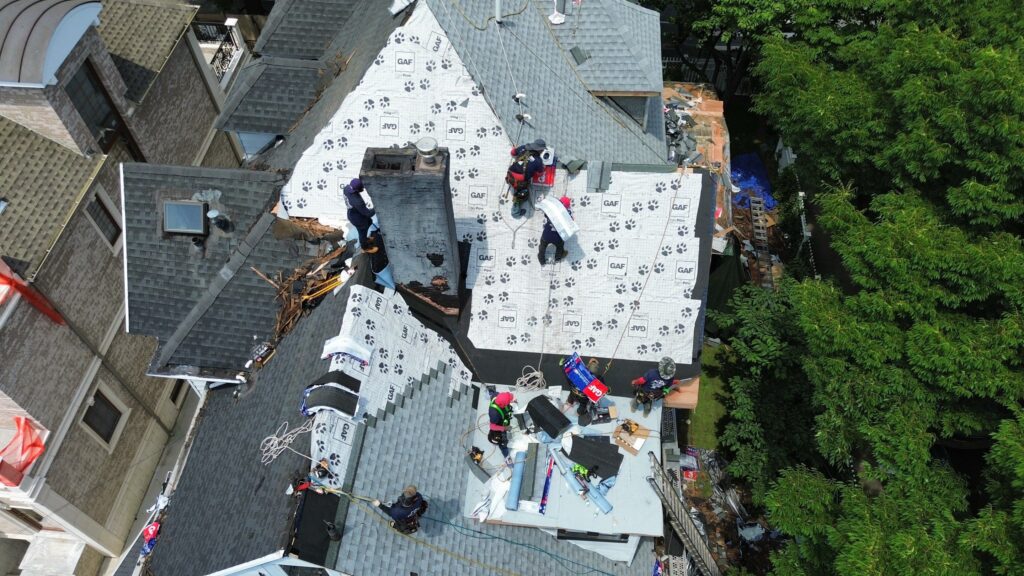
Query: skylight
x=183, y=217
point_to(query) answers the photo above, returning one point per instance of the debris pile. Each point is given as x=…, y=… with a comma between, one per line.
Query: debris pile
x=305, y=287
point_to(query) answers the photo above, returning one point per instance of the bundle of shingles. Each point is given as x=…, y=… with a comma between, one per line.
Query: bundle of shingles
x=304, y=288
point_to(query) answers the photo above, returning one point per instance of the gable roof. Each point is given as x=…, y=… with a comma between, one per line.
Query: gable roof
x=204, y=306
x=271, y=94
x=525, y=55
x=140, y=35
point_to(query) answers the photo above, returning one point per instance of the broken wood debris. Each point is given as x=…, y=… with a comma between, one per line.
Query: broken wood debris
x=302, y=290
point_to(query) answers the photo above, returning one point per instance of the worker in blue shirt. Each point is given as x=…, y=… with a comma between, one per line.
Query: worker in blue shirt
x=520, y=174
x=654, y=385
x=405, y=513
x=551, y=236
x=359, y=214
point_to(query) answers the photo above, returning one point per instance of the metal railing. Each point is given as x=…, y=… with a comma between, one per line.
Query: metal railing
x=223, y=57
x=679, y=518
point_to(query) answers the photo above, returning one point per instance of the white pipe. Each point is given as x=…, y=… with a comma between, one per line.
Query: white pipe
x=497, y=11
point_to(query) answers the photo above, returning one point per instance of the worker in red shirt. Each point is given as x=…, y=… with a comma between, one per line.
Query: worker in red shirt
x=500, y=415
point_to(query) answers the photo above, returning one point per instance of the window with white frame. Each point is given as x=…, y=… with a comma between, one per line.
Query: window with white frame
x=105, y=415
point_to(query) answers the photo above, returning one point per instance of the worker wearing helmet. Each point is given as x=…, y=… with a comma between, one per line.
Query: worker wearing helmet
x=551, y=236
x=654, y=385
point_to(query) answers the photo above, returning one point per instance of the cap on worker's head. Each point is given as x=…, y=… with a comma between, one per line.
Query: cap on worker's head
x=593, y=364
x=537, y=145
x=409, y=491
x=513, y=151
x=504, y=399
x=666, y=367
x=356, y=184
x=566, y=201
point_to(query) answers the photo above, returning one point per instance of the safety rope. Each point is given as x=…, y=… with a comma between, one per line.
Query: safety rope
x=275, y=444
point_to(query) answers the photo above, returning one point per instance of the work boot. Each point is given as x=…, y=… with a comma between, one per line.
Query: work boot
x=543, y=260
x=517, y=210
x=647, y=408
x=561, y=254
x=633, y=405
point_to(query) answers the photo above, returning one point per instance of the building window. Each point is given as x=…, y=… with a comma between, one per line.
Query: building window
x=94, y=106
x=104, y=220
x=105, y=416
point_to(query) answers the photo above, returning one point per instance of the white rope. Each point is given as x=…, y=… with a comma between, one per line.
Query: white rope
x=275, y=444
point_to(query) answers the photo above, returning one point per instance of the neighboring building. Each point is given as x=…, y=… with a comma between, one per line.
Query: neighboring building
x=85, y=86
x=345, y=90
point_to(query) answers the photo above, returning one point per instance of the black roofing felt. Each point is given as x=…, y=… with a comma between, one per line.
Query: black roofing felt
x=204, y=306
x=228, y=508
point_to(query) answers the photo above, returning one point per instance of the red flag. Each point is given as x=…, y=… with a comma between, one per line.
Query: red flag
x=21, y=451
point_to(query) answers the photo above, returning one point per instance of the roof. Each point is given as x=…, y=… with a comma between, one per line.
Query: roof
x=623, y=42
x=351, y=50
x=419, y=444
x=228, y=508
x=140, y=35
x=204, y=308
x=271, y=94
x=526, y=56
x=303, y=29
x=26, y=30
x=30, y=163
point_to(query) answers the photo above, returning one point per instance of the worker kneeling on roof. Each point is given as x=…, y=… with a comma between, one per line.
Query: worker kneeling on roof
x=405, y=513
x=551, y=236
x=654, y=385
x=520, y=174
x=500, y=414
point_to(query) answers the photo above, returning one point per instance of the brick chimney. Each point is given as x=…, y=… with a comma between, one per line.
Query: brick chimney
x=412, y=196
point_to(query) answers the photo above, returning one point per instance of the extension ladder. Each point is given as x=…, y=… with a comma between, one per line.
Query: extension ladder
x=680, y=520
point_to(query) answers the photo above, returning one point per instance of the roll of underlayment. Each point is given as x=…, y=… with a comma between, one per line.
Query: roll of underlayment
x=559, y=217
x=516, y=484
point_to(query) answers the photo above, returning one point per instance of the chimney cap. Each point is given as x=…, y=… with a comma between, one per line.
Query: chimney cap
x=426, y=146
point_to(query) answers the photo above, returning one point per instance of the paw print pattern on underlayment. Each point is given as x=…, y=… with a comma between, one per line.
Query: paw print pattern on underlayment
x=612, y=323
x=634, y=305
x=576, y=265
x=664, y=331
x=369, y=339
x=525, y=259
x=630, y=224
x=510, y=261
x=300, y=203
x=659, y=187
x=598, y=246
x=327, y=167
x=481, y=235
x=307, y=186
x=503, y=297
x=637, y=207
x=369, y=104
x=460, y=153
x=555, y=283
x=488, y=298
x=620, y=288
x=384, y=102
x=512, y=339
x=591, y=263
x=472, y=173
x=321, y=183
x=613, y=243
x=505, y=277
x=383, y=368
x=687, y=312
x=568, y=301
x=364, y=121
x=659, y=267
x=642, y=270
x=348, y=124
x=585, y=201
x=613, y=226
x=474, y=150
x=489, y=279
x=652, y=205
x=409, y=86
x=570, y=282
x=481, y=132
x=378, y=60
x=496, y=131
x=641, y=349
x=683, y=230
x=458, y=175
x=424, y=83
x=656, y=347
x=619, y=307
x=525, y=338
x=430, y=125
x=357, y=312
x=451, y=105
x=481, y=315
x=435, y=108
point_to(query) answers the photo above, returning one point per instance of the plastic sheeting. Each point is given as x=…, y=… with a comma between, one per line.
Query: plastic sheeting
x=751, y=177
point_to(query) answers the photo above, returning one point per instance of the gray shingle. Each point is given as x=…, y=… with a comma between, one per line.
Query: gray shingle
x=271, y=94
x=229, y=508
x=559, y=96
x=202, y=313
x=304, y=29
x=419, y=445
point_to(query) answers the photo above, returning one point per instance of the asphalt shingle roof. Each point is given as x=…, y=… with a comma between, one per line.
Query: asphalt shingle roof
x=559, y=96
x=204, y=308
x=271, y=94
x=42, y=182
x=623, y=41
x=304, y=29
x=419, y=444
x=140, y=35
x=228, y=508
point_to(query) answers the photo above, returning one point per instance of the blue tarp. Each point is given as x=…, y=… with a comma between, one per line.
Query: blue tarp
x=751, y=177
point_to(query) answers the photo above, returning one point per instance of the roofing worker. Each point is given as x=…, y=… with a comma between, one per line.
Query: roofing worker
x=551, y=236
x=520, y=174
x=359, y=214
x=405, y=513
x=654, y=385
x=500, y=414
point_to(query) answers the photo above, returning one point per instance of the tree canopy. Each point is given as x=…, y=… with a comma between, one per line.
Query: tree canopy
x=912, y=114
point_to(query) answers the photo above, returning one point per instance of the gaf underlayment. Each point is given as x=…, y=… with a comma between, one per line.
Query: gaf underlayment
x=625, y=290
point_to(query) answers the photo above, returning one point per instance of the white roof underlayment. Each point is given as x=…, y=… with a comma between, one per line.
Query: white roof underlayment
x=624, y=291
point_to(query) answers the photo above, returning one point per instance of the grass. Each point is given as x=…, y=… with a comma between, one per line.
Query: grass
x=704, y=418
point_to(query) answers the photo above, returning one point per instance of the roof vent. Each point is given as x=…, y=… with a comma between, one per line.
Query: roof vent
x=219, y=220
x=579, y=55
x=427, y=148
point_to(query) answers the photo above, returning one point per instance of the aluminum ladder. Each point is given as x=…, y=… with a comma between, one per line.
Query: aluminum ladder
x=764, y=255
x=680, y=520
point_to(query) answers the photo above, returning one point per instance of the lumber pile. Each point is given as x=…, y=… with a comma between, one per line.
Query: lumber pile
x=303, y=289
